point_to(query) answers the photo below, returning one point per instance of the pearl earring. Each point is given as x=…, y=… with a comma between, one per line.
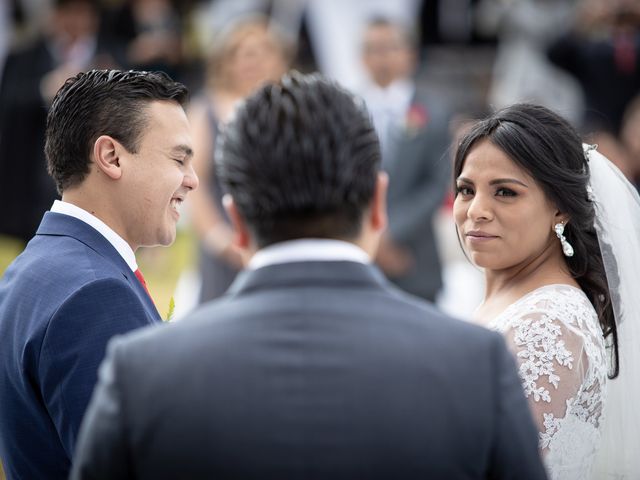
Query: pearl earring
x=567, y=249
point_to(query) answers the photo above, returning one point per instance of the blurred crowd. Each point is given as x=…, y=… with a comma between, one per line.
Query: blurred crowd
x=425, y=70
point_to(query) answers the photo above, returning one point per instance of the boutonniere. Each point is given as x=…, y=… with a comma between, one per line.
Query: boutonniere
x=172, y=307
x=416, y=119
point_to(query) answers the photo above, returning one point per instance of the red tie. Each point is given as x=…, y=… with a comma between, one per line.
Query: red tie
x=144, y=284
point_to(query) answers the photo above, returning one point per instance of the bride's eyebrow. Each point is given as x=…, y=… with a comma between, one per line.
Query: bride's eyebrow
x=495, y=181
x=499, y=181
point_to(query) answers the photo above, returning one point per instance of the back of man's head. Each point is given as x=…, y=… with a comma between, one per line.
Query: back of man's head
x=300, y=160
x=101, y=102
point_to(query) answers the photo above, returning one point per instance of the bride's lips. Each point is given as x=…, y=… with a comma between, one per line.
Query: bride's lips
x=478, y=236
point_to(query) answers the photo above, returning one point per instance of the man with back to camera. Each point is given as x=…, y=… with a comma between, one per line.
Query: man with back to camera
x=311, y=366
x=119, y=149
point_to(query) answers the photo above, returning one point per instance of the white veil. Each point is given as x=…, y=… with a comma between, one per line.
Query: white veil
x=617, y=206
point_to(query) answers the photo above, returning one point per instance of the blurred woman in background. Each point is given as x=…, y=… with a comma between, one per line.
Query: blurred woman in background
x=245, y=55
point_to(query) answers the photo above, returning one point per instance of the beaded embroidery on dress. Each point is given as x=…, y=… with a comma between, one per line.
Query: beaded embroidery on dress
x=556, y=338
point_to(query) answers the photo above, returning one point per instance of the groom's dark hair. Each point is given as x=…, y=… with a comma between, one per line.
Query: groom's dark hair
x=300, y=160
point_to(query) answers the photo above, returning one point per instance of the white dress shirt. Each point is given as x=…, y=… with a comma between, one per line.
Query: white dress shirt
x=388, y=107
x=112, y=237
x=308, y=250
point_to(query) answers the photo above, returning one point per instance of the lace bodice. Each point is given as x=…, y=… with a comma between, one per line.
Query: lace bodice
x=558, y=344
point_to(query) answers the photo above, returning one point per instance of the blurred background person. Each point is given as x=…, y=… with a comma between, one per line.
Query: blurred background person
x=147, y=35
x=601, y=50
x=412, y=125
x=31, y=77
x=212, y=16
x=336, y=28
x=630, y=139
x=245, y=55
x=328, y=31
x=5, y=32
x=522, y=71
x=624, y=149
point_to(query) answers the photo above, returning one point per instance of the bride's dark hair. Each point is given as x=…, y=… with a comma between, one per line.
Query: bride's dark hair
x=550, y=150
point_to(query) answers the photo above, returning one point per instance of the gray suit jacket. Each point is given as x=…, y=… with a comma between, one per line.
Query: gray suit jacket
x=419, y=171
x=310, y=370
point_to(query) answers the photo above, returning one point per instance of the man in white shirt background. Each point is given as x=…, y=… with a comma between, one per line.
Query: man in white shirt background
x=412, y=122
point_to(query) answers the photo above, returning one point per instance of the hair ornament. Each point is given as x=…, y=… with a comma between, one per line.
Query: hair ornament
x=588, y=148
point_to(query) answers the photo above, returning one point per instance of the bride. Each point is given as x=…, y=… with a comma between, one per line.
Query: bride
x=557, y=230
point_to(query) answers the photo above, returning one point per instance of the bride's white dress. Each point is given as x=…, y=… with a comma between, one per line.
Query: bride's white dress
x=557, y=341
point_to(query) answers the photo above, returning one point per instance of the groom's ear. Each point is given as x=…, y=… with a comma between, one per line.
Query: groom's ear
x=378, y=205
x=374, y=221
x=241, y=235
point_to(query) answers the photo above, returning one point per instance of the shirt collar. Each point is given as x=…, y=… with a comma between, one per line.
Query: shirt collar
x=112, y=237
x=308, y=250
x=398, y=94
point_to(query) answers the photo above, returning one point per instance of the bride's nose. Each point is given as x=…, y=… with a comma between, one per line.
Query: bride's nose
x=480, y=208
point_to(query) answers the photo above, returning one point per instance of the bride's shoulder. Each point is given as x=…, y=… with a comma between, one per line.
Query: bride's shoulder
x=554, y=303
x=555, y=293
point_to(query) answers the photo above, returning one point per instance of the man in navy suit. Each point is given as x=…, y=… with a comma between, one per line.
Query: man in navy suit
x=119, y=149
x=312, y=366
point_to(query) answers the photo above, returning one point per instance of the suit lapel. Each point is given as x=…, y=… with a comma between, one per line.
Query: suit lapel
x=56, y=224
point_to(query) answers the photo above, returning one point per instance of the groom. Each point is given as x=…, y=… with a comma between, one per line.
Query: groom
x=312, y=366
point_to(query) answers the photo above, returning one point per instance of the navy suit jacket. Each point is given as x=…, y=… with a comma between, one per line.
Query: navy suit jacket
x=61, y=301
x=309, y=370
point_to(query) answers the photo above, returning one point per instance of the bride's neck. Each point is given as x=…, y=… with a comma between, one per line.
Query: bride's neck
x=547, y=268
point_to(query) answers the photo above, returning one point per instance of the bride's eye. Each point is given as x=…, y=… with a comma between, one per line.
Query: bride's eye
x=464, y=190
x=505, y=192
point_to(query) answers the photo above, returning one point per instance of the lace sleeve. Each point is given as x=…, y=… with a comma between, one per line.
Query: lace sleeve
x=552, y=365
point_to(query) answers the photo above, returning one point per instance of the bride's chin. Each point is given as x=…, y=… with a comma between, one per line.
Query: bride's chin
x=481, y=261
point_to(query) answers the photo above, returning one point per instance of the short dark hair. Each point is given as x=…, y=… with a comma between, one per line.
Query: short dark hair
x=101, y=102
x=549, y=149
x=300, y=160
